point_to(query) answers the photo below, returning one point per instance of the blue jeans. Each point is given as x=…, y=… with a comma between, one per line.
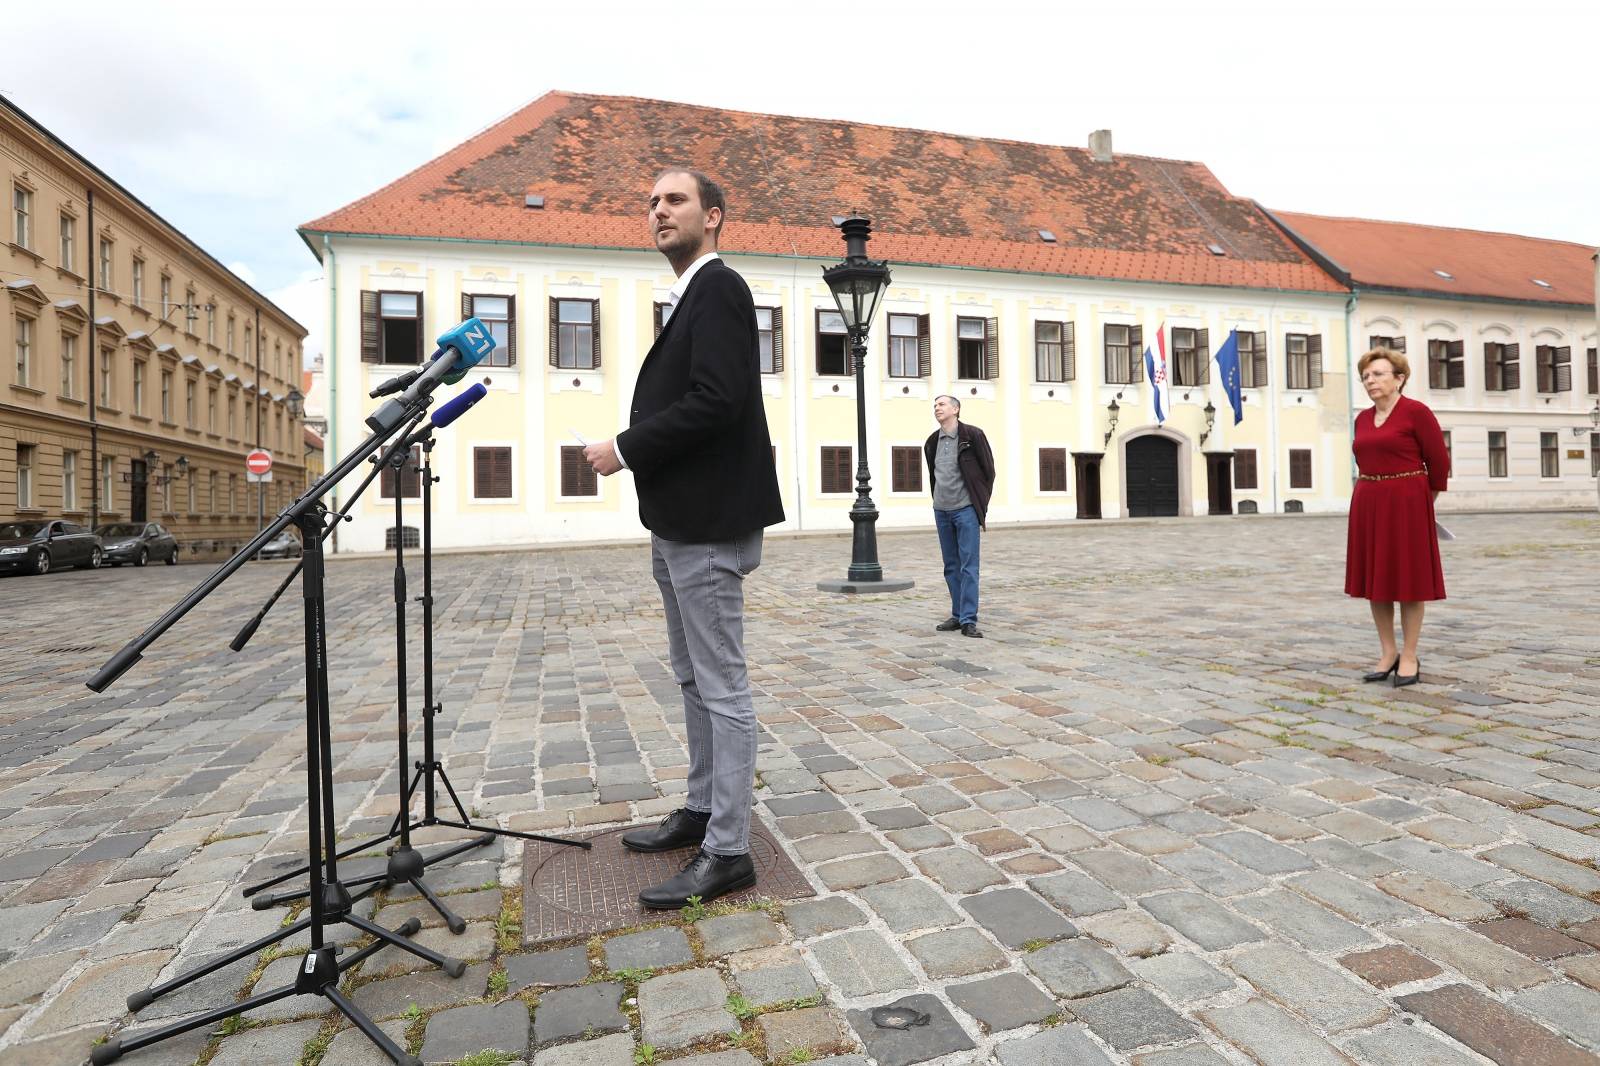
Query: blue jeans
x=958, y=540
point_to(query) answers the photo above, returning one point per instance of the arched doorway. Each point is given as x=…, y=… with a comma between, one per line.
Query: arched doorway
x=1152, y=477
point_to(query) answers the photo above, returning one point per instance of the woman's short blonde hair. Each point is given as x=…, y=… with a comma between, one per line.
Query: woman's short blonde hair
x=1402, y=368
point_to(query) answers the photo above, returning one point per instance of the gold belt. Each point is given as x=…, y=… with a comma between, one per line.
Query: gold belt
x=1390, y=477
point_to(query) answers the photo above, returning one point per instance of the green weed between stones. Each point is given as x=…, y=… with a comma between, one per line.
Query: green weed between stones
x=694, y=910
x=644, y=1055
x=488, y=1057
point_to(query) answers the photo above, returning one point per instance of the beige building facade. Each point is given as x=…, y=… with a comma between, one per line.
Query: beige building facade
x=138, y=370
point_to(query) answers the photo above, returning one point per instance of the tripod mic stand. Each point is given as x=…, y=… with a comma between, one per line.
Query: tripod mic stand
x=330, y=900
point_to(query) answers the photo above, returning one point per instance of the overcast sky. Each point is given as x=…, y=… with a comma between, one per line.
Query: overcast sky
x=238, y=128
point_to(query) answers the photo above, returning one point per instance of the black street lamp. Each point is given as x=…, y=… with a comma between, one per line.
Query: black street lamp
x=857, y=285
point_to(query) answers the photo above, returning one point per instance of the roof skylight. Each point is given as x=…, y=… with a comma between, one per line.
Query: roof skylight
x=1445, y=274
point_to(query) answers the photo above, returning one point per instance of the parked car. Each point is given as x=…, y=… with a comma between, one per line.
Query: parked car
x=137, y=543
x=36, y=547
x=286, y=545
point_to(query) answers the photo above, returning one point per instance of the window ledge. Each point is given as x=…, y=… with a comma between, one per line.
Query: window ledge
x=141, y=309
x=107, y=294
x=29, y=252
x=65, y=272
x=73, y=400
x=29, y=389
x=140, y=418
x=30, y=510
x=108, y=410
x=168, y=425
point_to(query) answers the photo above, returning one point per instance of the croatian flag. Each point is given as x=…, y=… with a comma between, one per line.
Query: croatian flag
x=1155, y=367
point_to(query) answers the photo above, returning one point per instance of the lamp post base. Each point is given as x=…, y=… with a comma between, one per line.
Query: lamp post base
x=848, y=585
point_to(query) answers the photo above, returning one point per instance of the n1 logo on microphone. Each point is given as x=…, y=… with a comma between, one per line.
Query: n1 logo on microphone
x=472, y=338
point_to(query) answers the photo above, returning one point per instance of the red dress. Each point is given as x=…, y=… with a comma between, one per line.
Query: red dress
x=1392, y=550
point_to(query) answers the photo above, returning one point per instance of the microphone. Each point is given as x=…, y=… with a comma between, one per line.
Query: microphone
x=447, y=413
x=395, y=384
x=460, y=349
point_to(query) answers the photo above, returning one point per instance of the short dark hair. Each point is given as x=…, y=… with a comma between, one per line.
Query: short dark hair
x=711, y=194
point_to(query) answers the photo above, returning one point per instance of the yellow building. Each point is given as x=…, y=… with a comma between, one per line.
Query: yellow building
x=138, y=370
x=1027, y=282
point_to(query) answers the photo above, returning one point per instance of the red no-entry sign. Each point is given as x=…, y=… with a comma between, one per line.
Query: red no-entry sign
x=258, y=462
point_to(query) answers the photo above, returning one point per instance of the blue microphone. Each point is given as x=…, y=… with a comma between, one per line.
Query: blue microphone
x=447, y=413
x=460, y=349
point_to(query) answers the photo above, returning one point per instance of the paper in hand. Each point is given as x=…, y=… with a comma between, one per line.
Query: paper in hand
x=577, y=436
x=1444, y=534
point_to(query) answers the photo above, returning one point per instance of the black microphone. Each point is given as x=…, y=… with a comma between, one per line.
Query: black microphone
x=395, y=384
x=447, y=413
x=460, y=349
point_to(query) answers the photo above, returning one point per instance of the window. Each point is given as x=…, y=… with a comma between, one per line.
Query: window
x=69, y=242
x=1594, y=455
x=211, y=410
x=1055, y=351
x=277, y=360
x=166, y=295
x=107, y=275
x=661, y=316
x=1450, y=448
x=249, y=341
x=105, y=377
x=1299, y=468
x=233, y=493
x=211, y=323
x=22, y=208
x=1447, y=364
x=1549, y=455
x=575, y=336
x=1594, y=373
x=977, y=349
x=25, y=458
x=166, y=396
x=1497, y=453
x=769, y=336
x=1394, y=344
x=1252, y=362
x=499, y=314
x=906, y=469
x=1502, y=371
x=833, y=344
x=69, y=364
x=1244, y=461
x=1553, y=368
x=233, y=417
x=410, y=479
x=577, y=476
x=108, y=483
x=905, y=360
x=138, y=282
x=1191, y=357
x=1303, y=362
x=138, y=387
x=188, y=404
x=24, y=349
x=408, y=536
x=491, y=473
x=228, y=335
x=166, y=488
x=193, y=489
x=1052, y=470
x=1124, y=347
x=69, y=481
x=211, y=492
x=836, y=469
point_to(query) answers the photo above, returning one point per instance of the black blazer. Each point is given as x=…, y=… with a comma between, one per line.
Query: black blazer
x=697, y=441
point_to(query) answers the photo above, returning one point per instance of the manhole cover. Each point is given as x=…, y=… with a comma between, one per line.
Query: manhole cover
x=571, y=892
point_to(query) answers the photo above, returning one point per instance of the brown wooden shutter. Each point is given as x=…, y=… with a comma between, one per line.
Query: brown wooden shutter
x=594, y=318
x=511, y=331
x=1135, y=354
x=1202, y=355
x=1563, y=369
x=555, y=335
x=991, y=349
x=1594, y=370
x=659, y=310
x=897, y=460
x=1314, y=360
x=777, y=340
x=466, y=306
x=924, y=346
x=422, y=350
x=370, y=326
x=482, y=471
x=1069, y=352
x=570, y=458
x=1512, y=361
x=1456, y=376
x=1299, y=468
x=1260, y=360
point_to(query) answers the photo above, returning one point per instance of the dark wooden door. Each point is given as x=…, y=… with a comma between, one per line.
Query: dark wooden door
x=139, y=484
x=1087, y=469
x=1219, y=483
x=1152, y=477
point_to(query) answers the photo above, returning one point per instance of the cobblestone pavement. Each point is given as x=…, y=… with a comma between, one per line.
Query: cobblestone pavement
x=1154, y=818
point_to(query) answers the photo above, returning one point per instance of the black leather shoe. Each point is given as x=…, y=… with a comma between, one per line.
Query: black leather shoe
x=1383, y=675
x=949, y=625
x=971, y=630
x=706, y=876
x=677, y=830
x=1402, y=680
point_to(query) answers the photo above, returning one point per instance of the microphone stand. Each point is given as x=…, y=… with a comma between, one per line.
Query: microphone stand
x=330, y=900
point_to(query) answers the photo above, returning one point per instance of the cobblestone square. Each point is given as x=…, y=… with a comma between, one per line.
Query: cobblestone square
x=1154, y=816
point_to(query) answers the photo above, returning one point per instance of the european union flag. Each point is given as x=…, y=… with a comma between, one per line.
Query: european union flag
x=1228, y=365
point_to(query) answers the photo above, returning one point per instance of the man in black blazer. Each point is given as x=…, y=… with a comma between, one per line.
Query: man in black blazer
x=701, y=458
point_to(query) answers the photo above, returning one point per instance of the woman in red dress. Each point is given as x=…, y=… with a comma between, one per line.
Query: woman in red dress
x=1393, y=548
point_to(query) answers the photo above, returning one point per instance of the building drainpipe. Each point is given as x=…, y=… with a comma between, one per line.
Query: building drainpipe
x=1350, y=383
x=94, y=347
x=261, y=486
x=332, y=368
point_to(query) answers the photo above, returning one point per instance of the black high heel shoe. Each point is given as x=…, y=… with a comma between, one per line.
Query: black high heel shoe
x=1402, y=680
x=1383, y=675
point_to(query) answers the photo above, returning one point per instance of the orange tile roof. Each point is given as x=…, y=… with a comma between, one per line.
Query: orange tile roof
x=934, y=198
x=1404, y=255
x=310, y=438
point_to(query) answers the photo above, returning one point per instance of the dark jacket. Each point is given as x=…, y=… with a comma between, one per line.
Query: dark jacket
x=697, y=443
x=973, y=459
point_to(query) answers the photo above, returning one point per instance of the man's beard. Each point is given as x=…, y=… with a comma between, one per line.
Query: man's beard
x=677, y=243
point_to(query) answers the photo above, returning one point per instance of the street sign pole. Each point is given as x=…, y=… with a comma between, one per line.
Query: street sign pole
x=258, y=468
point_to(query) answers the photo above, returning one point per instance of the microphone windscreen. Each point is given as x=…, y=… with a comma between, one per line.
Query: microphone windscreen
x=470, y=343
x=456, y=406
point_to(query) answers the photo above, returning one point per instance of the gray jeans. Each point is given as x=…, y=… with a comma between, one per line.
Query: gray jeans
x=702, y=589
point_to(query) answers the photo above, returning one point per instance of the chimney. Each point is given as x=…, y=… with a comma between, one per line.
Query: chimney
x=1100, y=145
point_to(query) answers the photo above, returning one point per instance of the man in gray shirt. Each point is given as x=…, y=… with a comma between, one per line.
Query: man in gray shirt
x=961, y=472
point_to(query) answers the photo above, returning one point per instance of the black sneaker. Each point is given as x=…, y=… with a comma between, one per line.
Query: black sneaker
x=949, y=625
x=677, y=830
